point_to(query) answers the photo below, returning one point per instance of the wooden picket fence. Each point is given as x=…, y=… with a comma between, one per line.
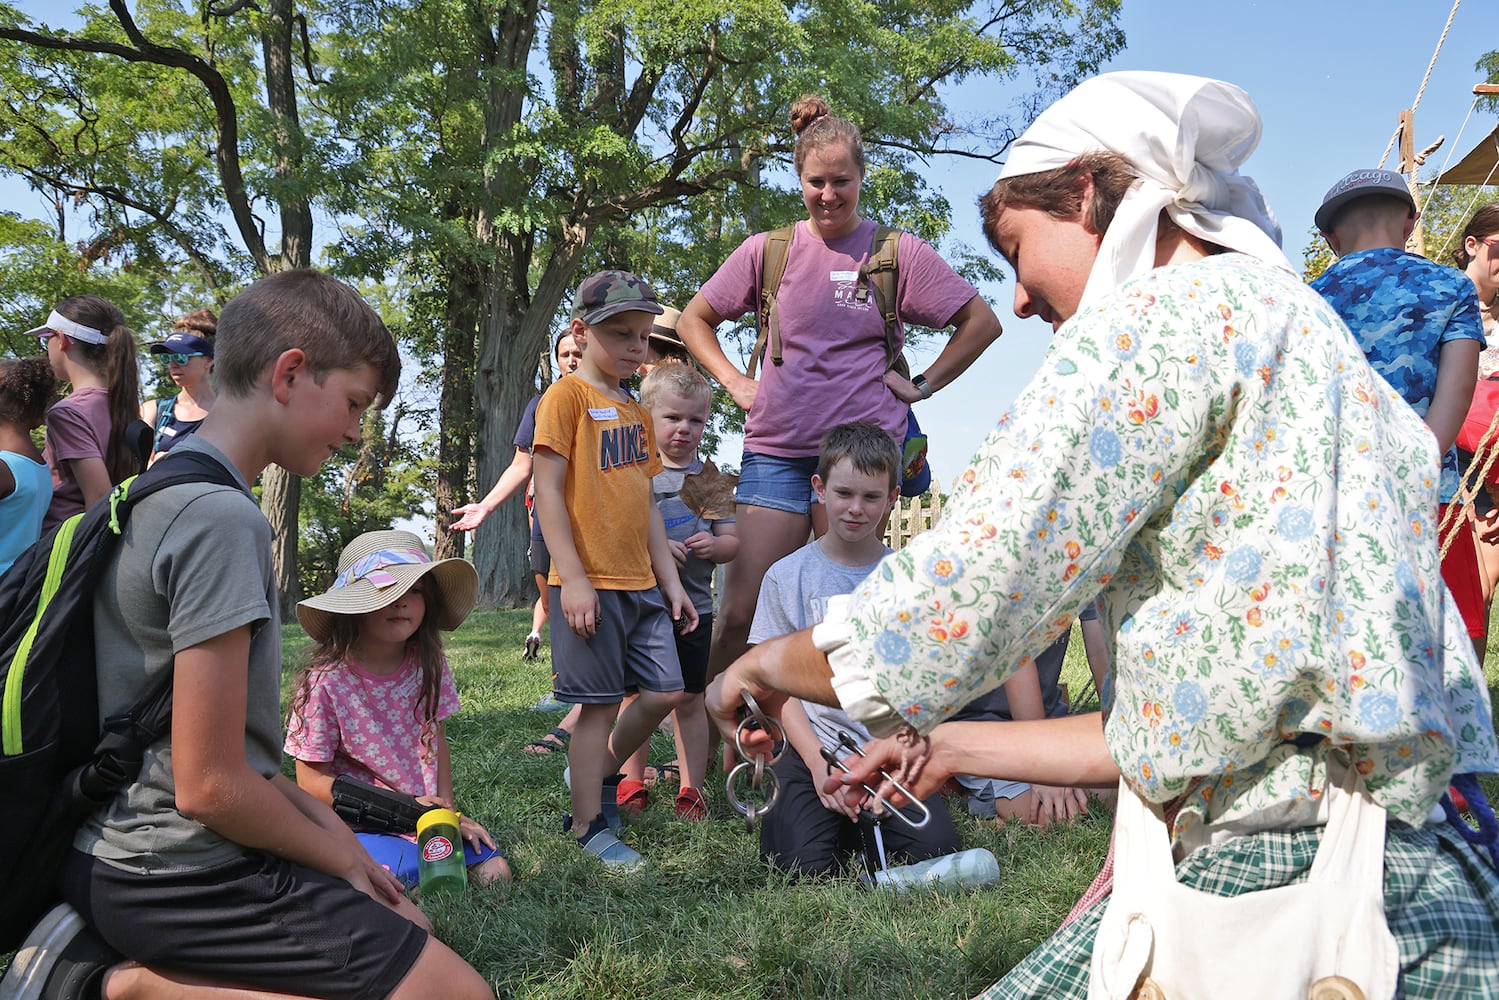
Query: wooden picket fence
x=911, y=517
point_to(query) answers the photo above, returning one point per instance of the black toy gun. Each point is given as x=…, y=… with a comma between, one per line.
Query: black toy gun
x=376, y=810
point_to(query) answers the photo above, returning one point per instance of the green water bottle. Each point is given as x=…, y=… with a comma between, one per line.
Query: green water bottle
x=439, y=864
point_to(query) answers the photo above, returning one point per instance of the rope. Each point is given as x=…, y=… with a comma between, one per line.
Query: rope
x=1487, y=834
x=1425, y=79
x=1470, y=485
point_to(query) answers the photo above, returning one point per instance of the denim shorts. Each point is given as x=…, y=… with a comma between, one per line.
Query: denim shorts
x=775, y=482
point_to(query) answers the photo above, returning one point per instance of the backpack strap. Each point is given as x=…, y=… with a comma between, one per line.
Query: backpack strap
x=880, y=274
x=164, y=408
x=125, y=737
x=773, y=259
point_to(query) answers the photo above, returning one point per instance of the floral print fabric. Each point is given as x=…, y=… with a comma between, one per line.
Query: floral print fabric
x=1208, y=451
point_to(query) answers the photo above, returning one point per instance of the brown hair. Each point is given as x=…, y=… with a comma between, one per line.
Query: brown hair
x=333, y=653
x=677, y=377
x=200, y=322
x=310, y=311
x=866, y=446
x=816, y=127
x=114, y=361
x=27, y=387
x=1485, y=222
x=1058, y=192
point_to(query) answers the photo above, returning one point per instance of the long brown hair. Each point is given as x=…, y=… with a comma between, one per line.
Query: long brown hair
x=333, y=653
x=114, y=362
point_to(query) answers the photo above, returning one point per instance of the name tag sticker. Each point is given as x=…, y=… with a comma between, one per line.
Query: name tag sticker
x=603, y=413
x=843, y=275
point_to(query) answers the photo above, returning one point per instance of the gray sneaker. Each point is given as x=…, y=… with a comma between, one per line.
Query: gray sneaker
x=613, y=852
x=62, y=957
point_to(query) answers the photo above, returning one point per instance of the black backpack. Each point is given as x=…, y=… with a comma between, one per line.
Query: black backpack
x=57, y=766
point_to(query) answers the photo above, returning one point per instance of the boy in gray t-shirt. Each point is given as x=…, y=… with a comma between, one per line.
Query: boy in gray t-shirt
x=810, y=831
x=213, y=870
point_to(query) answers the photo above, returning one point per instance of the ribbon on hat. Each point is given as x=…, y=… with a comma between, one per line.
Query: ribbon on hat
x=369, y=568
x=57, y=321
x=1187, y=136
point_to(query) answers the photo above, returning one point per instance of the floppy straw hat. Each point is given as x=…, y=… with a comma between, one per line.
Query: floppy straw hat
x=376, y=568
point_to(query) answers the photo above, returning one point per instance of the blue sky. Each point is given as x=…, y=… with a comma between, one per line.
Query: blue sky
x=1329, y=79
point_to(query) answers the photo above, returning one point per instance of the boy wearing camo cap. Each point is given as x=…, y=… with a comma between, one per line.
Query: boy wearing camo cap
x=613, y=588
x=1418, y=325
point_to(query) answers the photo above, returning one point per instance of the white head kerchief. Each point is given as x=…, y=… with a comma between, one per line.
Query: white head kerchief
x=1187, y=136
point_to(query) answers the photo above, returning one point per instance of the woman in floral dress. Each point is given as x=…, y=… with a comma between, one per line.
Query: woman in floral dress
x=1205, y=449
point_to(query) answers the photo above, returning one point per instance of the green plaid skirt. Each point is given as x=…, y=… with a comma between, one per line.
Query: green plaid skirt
x=1441, y=901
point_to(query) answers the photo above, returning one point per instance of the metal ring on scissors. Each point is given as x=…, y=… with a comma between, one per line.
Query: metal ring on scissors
x=770, y=784
x=767, y=725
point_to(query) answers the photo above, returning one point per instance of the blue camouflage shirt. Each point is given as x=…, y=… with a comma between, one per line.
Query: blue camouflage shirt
x=1402, y=308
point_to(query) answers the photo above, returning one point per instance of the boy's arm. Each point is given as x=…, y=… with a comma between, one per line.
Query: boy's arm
x=809, y=748
x=718, y=545
x=511, y=482
x=664, y=566
x=580, y=602
x=216, y=786
x=1457, y=374
x=1048, y=802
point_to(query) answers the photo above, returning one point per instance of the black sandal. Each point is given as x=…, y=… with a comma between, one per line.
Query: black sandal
x=553, y=741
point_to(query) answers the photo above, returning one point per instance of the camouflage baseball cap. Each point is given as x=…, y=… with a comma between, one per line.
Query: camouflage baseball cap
x=607, y=293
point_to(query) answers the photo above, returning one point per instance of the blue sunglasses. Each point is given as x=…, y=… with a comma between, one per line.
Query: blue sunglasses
x=181, y=359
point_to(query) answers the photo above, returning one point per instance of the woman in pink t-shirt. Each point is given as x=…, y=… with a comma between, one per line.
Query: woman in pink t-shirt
x=88, y=345
x=834, y=366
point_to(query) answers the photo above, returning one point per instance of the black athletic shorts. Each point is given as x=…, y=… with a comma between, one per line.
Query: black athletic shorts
x=256, y=921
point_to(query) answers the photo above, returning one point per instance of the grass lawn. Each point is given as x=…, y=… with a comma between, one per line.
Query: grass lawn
x=705, y=918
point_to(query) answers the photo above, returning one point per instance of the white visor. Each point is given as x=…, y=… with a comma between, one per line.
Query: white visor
x=61, y=324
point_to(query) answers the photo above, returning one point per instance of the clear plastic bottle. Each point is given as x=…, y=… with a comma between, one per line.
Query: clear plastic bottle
x=440, y=865
x=963, y=870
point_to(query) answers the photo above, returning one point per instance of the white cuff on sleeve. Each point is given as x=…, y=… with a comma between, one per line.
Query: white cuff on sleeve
x=856, y=692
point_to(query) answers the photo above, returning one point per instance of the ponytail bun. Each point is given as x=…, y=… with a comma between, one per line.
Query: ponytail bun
x=816, y=127
x=807, y=109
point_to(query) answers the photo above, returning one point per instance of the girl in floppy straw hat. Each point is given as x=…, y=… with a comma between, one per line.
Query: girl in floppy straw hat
x=370, y=702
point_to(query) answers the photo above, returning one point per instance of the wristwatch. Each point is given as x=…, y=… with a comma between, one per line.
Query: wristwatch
x=922, y=386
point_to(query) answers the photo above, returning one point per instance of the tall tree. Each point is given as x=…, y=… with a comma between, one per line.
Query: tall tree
x=641, y=133
x=129, y=143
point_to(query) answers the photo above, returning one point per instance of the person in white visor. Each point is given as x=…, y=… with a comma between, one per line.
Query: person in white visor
x=89, y=346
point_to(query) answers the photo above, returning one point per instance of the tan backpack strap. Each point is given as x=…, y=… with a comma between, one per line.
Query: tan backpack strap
x=880, y=274
x=773, y=259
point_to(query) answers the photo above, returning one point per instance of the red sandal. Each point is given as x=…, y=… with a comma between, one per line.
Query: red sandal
x=632, y=796
x=691, y=806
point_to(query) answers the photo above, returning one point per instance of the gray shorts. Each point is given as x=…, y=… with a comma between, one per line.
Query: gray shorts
x=635, y=647
x=982, y=792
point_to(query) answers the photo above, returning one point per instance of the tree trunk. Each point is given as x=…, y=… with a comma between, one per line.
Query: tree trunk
x=502, y=390
x=280, y=499
x=456, y=406
x=281, y=492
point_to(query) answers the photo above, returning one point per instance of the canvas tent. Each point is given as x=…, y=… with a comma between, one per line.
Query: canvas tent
x=1480, y=166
